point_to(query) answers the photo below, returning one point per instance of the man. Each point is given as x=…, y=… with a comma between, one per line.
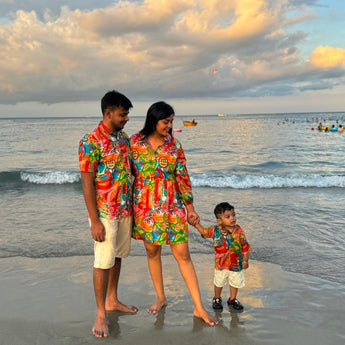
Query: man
x=104, y=161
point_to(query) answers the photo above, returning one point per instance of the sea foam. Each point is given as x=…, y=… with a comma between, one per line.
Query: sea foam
x=239, y=181
x=56, y=177
x=266, y=181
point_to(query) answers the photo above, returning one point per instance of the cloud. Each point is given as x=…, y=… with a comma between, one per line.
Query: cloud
x=326, y=57
x=156, y=49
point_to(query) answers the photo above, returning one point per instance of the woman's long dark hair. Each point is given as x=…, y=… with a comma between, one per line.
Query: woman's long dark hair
x=158, y=111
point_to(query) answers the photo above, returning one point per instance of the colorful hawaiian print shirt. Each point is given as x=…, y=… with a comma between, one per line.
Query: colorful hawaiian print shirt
x=228, y=250
x=161, y=189
x=108, y=155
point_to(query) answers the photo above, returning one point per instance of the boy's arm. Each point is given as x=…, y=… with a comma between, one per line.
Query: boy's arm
x=245, y=263
x=200, y=228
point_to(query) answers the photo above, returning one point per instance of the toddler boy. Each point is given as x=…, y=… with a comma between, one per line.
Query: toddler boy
x=231, y=251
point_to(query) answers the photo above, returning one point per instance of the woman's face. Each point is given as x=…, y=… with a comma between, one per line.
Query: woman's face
x=163, y=126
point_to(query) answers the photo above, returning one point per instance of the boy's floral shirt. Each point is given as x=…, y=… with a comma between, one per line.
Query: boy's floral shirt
x=108, y=155
x=161, y=189
x=228, y=250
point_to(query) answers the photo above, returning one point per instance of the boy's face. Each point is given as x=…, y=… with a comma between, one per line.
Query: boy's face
x=227, y=219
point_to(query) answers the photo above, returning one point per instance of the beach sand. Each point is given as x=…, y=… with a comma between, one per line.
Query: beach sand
x=51, y=301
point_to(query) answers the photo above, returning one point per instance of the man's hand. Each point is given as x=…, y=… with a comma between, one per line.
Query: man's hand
x=98, y=231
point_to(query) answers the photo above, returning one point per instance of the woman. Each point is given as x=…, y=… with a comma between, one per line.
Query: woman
x=163, y=203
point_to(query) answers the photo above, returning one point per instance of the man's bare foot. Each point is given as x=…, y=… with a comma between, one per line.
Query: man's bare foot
x=203, y=314
x=100, y=328
x=155, y=308
x=121, y=307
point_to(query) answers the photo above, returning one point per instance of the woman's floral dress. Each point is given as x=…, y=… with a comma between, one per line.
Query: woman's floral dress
x=161, y=190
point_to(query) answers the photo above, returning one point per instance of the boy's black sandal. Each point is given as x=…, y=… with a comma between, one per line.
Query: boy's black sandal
x=217, y=303
x=235, y=303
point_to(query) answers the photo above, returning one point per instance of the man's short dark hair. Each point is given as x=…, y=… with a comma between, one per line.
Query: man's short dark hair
x=114, y=99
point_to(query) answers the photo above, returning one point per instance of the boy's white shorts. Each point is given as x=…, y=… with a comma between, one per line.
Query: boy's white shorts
x=226, y=277
x=117, y=243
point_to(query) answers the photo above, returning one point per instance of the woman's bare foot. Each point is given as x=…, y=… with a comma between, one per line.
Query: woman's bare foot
x=100, y=328
x=155, y=308
x=203, y=314
x=120, y=307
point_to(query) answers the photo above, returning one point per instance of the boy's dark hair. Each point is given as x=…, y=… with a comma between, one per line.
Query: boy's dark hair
x=222, y=207
x=158, y=111
x=114, y=99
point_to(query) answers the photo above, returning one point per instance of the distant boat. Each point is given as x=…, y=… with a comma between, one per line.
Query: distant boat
x=220, y=115
x=177, y=130
x=190, y=123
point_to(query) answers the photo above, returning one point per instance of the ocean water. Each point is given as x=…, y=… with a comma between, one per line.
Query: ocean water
x=286, y=181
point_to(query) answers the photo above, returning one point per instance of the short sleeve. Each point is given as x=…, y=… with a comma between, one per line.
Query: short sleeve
x=88, y=155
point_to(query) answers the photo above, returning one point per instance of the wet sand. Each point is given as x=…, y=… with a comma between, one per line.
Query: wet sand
x=51, y=301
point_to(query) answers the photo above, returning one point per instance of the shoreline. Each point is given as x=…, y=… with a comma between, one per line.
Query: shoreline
x=51, y=301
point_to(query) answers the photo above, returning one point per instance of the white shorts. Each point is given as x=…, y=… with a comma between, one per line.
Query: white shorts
x=117, y=243
x=226, y=277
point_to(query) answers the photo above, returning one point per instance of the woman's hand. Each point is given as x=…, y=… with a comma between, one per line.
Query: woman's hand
x=193, y=218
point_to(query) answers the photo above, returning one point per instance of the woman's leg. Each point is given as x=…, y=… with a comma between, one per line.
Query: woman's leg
x=182, y=256
x=155, y=266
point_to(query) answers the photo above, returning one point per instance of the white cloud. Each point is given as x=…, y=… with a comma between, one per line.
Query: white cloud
x=325, y=57
x=158, y=49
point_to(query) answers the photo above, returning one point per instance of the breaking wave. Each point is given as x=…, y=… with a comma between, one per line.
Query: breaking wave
x=237, y=181
x=266, y=181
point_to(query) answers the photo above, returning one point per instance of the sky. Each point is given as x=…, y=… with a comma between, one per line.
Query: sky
x=58, y=58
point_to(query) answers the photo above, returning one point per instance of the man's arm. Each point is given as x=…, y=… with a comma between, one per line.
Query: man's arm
x=97, y=228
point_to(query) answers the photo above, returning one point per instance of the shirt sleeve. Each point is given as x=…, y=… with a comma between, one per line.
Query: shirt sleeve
x=209, y=232
x=88, y=155
x=246, y=248
x=182, y=177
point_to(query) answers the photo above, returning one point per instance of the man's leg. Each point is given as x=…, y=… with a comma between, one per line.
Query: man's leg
x=100, y=283
x=112, y=302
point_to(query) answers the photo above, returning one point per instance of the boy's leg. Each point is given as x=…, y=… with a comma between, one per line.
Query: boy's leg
x=217, y=291
x=236, y=281
x=217, y=300
x=233, y=301
x=233, y=292
x=219, y=282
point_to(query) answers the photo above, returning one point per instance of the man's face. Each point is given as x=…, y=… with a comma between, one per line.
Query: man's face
x=118, y=118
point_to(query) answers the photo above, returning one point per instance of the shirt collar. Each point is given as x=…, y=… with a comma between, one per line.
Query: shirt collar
x=166, y=140
x=105, y=129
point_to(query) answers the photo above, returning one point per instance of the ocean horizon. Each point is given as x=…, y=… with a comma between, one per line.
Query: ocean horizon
x=285, y=178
